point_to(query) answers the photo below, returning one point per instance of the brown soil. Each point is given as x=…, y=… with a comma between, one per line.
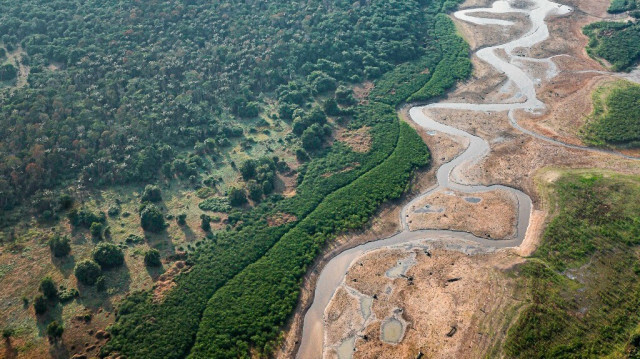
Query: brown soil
x=280, y=218
x=441, y=291
x=359, y=140
x=166, y=280
x=361, y=92
x=493, y=217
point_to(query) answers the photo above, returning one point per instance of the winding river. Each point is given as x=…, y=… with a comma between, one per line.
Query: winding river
x=514, y=67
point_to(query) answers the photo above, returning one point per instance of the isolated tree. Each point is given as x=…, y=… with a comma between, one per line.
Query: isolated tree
x=205, y=223
x=48, y=288
x=87, y=272
x=152, y=193
x=181, y=219
x=60, y=246
x=152, y=219
x=108, y=255
x=248, y=169
x=152, y=258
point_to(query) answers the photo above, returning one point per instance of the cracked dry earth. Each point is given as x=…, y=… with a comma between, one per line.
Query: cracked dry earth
x=458, y=301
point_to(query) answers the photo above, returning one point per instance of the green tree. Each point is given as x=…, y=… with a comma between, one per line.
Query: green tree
x=87, y=272
x=205, y=223
x=108, y=255
x=48, y=288
x=54, y=331
x=248, y=169
x=152, y=219
x=152, y=258
x=60, y=245
x=237, y=197
x=96, y=230
x=255, y=191
x=181, y=219
x=152, y=193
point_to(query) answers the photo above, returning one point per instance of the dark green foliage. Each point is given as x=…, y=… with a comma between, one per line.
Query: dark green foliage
x=616, y=42
x=237, y=197
x=48, y=288
x=60, y=245
x=66, y=295
x=40, y=304
x=87, y=272
x=324, y=206
x=7, y=333
x=151, y=193
x=133, y=239
x=83, y=217
x=215, y=204
x=618, y=6
x=113, y=211
x=152, y=219
x=248, y=169
x=181, y=219
x=205, y=222
x=108, y=255
x=8, y=72
x=594, y=236
x=55, y=330
x=101, y=284
x=96, y=230
x=616, y=116
x=152, y=258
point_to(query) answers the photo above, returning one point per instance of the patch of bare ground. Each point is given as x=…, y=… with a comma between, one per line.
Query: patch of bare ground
x=361, y=92
x=286, y=183
x=384, y=224
x=344, y=169
x=358, y=140
x=280, y=218
x=166, y=281
x=454, y=305
x=489, y=215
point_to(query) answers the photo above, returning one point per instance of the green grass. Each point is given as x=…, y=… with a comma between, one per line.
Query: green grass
x=584, y=280
x=615, y=119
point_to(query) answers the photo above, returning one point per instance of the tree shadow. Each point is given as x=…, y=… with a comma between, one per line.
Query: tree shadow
x=155, y=272
x=58, y=350
x=64, y=264
x=189, y=235
x=117, y=281
x=9, y=351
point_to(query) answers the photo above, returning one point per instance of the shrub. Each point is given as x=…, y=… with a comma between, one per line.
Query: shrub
x=205, y=222
x=40, y=303
x=60, y=246
x=151, y=219
x=55, y=330
x=66, y=295
x=181, y=219
x=215, y=204
x=87, y=272
x=96, y=230
x=48, y=288
x=152, y=258
x=151, y=193
x=108, y=255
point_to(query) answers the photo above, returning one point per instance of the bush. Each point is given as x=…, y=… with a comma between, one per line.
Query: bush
x=237, y=197
x=152, y=219
x=151, y=193
x=55, y=330
x=40, y=304
x=96, y=230
x=48, y=288
x=87, y=272
x=108, y=255
x=66, y=295
x=205, y=222
x=60, y=246
x=152, y=258
x=181, y=219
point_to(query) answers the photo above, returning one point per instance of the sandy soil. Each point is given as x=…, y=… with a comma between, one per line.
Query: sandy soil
x=494, y=216
x=441, y=291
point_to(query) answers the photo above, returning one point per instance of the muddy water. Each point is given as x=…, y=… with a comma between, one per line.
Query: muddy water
x=515, y=68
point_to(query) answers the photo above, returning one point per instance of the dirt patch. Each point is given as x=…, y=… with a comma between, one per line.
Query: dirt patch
x=286, y=184
x=453, y=304
x=166, y=281
x=345, y=169
x=489, y=215
x=280, y=218
x=361, y=92
x=359, y=140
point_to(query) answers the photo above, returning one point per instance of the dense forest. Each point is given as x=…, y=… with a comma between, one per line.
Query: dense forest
x=584, y=280
x=99, y=94
x=615, y=119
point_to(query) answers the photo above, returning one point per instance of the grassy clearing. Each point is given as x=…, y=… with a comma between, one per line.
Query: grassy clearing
x=584, y=280
x=615, y=119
